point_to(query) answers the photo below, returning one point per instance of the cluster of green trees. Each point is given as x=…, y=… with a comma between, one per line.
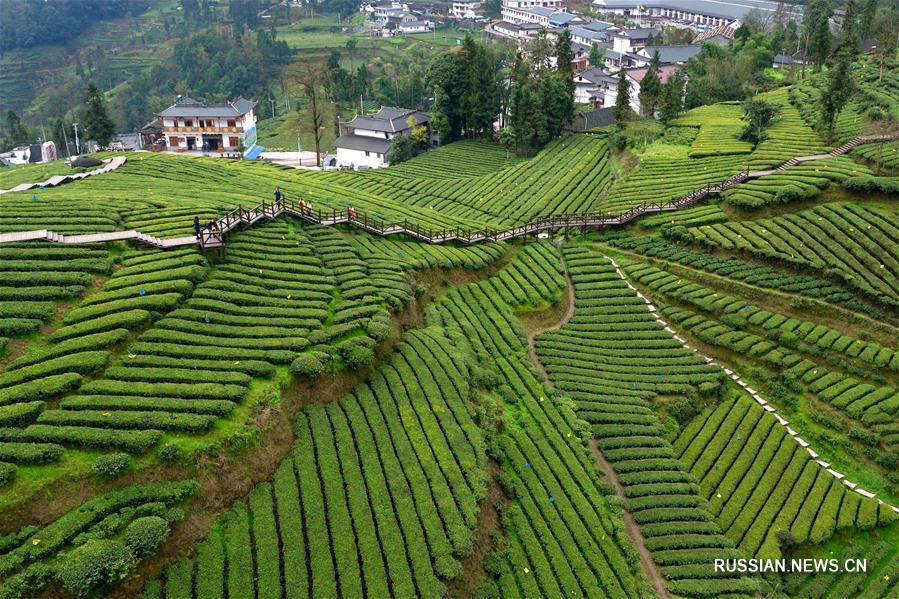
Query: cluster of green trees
x=208, y=63
x=466, y=86
x=664, y=100
x=541, y=95
x=24, y=23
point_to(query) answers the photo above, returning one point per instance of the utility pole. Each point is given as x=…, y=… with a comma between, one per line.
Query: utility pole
x=77, y=143
x=273, y=107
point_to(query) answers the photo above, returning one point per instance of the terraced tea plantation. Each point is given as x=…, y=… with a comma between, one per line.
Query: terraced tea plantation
x=317, y=411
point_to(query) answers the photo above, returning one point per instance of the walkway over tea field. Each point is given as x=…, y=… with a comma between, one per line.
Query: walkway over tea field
x=110, y=165
x=214, y=238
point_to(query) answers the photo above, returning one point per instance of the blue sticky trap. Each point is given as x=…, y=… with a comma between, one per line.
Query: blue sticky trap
x=142, y=292
x=661, y=376
x=552, y=499
x=745, y=307
x=402, y=254
x=40, y=186
x=207, y=319
x=327, y=200
x=527, y=465
x=33, y=198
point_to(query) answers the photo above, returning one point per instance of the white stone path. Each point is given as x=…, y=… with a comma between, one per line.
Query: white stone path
x=111, y=165
x=752, y=392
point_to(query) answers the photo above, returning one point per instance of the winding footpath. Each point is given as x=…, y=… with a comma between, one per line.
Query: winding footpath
x=270, y=210
x=630, y=525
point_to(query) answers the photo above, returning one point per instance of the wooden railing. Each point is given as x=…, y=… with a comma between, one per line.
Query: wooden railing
x=215, y=236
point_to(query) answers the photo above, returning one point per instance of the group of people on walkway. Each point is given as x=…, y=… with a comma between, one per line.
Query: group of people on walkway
x=305, y=207
x=210, y=226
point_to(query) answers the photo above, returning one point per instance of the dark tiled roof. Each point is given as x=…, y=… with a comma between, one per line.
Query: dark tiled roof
x=669, y=54
x=363, y=143
x=187, y=107
x=388, y=120
x=591, y=119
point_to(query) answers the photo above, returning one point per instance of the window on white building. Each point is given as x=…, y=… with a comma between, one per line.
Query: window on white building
x=367, y=153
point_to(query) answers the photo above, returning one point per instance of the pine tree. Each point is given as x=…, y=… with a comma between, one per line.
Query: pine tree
x=849, y=31
x=816, y=29
x=839, y=89
x=623, y=100
x=672, y=98
x=866, y=18
x=16, y=132
x=651, y=86
x=97, y=124
x=597, y=55
x=563, y=97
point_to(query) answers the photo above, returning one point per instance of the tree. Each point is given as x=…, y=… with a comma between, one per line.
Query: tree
x=651, y=86
x=60, y=134
x=405, y=147
x=540, y=51
x=839, y=89
x=16, y=133
x=623, y=100
x=759, y=115
x=866, y=18
x=312, y=80
x=97, y=124
x=480, y=98
x=597, y=55
x=563, y=102
x=887, y=30
x=849, y=31
x=672, y=98
x=446, y=77
x=816, y=30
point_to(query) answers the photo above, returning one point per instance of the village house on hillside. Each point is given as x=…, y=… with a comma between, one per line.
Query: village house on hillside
x=191, y=125
x=365, y=141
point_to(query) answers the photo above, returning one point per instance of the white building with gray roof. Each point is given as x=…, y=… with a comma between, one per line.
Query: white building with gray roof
x=190, y=125
x=365, y=141
x=700, y=12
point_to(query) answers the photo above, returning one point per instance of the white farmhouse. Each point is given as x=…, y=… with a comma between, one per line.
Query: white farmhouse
x=466, y=9
x=191, y=125
x=365, y=141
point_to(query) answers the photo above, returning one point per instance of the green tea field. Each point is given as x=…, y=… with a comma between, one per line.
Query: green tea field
x=595, y=411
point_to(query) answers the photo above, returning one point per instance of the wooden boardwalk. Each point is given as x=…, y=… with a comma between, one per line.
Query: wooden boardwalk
x=215, y=238
x=111, y=165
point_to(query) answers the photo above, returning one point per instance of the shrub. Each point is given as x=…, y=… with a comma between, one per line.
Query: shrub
x=170, y=452
x=308, y=365
x=358, y=352
x=30, y=453
x=685, y=409
x=144, y=535
x=377, y=329
x=7, y=473
x=111, y=465
x=866, y=437
x=174, y=514
x=97, y=562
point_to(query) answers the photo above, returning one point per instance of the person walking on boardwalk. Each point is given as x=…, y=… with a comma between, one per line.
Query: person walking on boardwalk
x=209, y=226
x=197, y=226
x=309, y=208
x=277, y=194
x=302, y=206
x=352, y=212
